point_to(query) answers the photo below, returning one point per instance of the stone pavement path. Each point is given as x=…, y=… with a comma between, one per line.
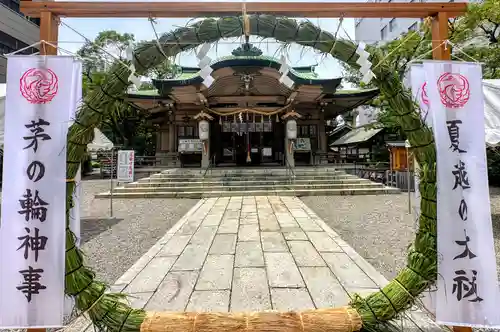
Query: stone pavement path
x=248, y=254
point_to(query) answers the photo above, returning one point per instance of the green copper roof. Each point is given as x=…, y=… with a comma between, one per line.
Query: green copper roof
x=339, y=93
x=303, y=72
x=300, y=75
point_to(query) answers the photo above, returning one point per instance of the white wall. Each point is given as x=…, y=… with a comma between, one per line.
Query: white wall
x=369, y=30
x=15, y=25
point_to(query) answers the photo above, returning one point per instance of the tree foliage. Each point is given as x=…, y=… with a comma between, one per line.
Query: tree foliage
x=474, y=37
x=128, y=126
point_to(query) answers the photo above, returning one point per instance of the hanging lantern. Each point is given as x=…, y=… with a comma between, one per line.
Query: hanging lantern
x=291, y=129
x=277, y=118
x=203, y=129
x=220, y=120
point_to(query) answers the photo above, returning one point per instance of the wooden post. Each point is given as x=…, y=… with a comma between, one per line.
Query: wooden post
x=49, y=31
x=439, y=35
x=442, y=52
x=462, y=329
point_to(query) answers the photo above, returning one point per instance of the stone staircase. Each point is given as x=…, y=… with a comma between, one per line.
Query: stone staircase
x=193, y=183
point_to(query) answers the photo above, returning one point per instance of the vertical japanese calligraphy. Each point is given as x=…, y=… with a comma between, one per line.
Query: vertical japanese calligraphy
x=467, y=283
x=125, y=166
x=32, y=236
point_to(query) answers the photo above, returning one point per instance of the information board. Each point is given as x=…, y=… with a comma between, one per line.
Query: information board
x=125, y=166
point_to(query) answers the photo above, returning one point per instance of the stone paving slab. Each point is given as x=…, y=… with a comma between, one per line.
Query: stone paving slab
x=247, y=254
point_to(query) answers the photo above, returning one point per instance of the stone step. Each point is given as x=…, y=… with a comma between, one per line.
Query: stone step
x=281, y=186
x=243, y=173
x=247, y=171
x=241, y=182
x=305, y=192
x=194, y=178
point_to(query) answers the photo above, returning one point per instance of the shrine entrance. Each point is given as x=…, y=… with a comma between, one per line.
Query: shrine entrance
x=375, y=312
x=255, y=141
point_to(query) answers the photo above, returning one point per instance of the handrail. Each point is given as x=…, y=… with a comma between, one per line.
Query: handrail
x=289, y=170
x=211, y=163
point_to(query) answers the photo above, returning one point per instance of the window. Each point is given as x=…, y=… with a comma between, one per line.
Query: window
x=413, y=27
x=307, y=131
x=312, y=130
x=9, y=44
x=383, y=33
x=392, y=24
x=14, y=5
x=186, y=131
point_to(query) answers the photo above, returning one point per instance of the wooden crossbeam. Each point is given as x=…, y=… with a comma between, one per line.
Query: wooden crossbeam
x=205, y=9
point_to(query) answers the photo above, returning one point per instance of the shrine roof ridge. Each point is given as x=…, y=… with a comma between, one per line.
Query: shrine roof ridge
x=303, y=75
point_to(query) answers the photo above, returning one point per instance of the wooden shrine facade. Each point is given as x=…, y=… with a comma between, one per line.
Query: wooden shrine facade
x=247, y=108
x=51, y=11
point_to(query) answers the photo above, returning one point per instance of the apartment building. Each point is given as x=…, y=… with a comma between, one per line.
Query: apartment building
x=16, y=32
x=373, y=30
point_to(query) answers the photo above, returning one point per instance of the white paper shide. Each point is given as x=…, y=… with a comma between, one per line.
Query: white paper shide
x=33, y=223
x=467, y=283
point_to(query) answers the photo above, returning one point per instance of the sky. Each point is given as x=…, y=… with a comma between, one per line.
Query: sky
x=327, y=67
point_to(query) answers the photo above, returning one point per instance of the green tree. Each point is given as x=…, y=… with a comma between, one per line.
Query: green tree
x=476, y=36
x=129, y=125
x=106, y=48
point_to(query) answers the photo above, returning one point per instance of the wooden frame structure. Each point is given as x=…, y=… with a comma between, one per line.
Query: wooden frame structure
x=50, y=12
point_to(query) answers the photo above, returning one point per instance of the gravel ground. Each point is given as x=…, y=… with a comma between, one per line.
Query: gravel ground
x=379, y=227
x=113, y=245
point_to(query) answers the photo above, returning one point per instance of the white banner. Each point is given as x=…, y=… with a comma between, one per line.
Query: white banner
x=74, y=213
x=32, y=233
x=74, y=223
x=419, y=92
x=468, y=291
x=125, y=171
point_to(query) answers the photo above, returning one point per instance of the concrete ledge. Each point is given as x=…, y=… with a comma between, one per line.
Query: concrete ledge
x=284, y=192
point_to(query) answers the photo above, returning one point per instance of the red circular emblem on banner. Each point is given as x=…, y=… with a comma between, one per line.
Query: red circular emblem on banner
x=423, y=94
x=454, y=90
x=39, y=86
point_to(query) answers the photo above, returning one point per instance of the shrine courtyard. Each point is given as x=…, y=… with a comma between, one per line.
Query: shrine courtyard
x=249, y=253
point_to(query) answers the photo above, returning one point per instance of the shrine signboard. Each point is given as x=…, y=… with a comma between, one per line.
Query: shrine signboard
x=126, y=160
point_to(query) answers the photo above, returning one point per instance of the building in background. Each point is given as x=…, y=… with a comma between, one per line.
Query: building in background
x=16, y=32
x=373, y=30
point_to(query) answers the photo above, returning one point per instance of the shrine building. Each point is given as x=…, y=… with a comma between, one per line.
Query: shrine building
x=249, y=115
